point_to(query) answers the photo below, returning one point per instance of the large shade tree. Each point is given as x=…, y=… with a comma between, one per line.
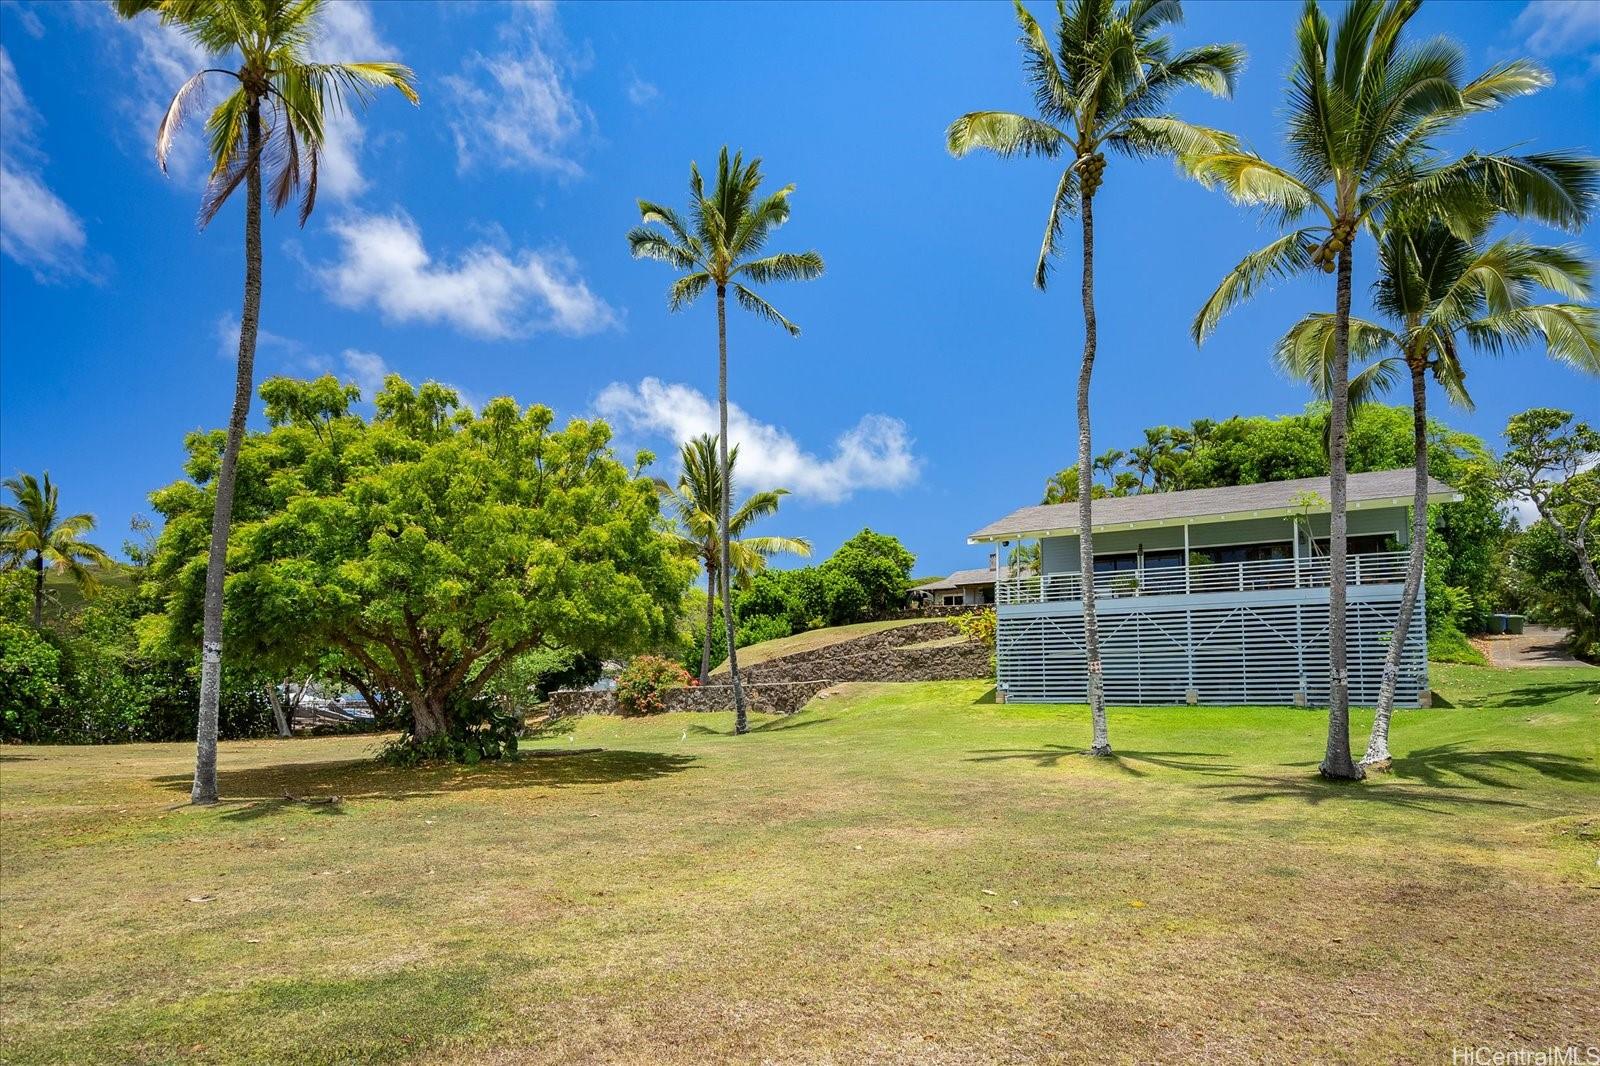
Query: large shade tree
x=272, y=119
x=1439, y=297
x=1553, y=462
x=1364, y=113
x=720, y=246
x=696, y=505
x=429, y=545
x=1103, y=85
x=35, y=534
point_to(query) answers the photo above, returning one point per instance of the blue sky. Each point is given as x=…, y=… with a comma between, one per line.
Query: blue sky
x=478, y=240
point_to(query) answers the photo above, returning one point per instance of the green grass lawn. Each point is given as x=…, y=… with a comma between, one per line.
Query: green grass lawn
x=898, y=874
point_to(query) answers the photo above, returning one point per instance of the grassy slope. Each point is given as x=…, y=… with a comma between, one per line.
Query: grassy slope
x=811, y=640
x=900, y=873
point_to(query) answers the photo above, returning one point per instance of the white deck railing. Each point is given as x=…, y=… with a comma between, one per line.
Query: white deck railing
x=1379, y=568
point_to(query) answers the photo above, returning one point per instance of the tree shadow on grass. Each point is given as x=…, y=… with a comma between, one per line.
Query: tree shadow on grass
x=271, y=789
x=1434, y=766
x=1127, y=761
x=776, y=725
x=1534, y=693
x=1314, y=790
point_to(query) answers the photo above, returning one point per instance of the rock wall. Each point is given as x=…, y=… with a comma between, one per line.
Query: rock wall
x=783, y=686
x=946, y=662
x=780, y=697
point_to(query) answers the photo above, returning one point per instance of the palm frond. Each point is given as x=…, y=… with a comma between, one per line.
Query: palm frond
x=687, y=289
x=1063, y=206
x=1571, y=332
x=1006, y=134
x=1167, y=137
x=648, y=244
x=1247, y=178
x=785, y=266
x=757, y=306
x=1285, y=257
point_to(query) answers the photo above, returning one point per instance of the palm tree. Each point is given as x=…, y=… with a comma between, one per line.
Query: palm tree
x=1104, y=85
x=696, y=503
x=720, y=247
x=34, y=535
x=1438, y=295
x=1362, y=117
x=274, y=116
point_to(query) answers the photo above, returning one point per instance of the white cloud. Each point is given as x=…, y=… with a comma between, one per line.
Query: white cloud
x=367, y=370
x=485, y=291
x=514, y=108
x=37, y=228
x=30, y=23
x=641, y=92
x=874, y=454
x=1553, y=29
x=346, y=34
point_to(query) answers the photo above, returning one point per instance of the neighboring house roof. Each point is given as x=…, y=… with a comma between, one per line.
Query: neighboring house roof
x=962, y=578
x=1270, y=499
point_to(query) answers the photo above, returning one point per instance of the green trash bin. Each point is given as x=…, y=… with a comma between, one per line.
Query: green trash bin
x=1515, y=622
x=1497, y=623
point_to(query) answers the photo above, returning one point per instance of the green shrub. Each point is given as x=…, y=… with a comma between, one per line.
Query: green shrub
x=1447, y=644
x=643, y=681
x=478, y=730
x=31, y=689
x=978, y=625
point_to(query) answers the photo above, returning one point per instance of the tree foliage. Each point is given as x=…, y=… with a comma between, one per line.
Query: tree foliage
x=430, y=545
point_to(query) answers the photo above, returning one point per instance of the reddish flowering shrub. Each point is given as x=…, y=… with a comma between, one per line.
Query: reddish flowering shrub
x=643, y=681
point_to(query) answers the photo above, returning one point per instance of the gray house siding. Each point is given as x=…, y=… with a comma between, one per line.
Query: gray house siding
x=1264, y=645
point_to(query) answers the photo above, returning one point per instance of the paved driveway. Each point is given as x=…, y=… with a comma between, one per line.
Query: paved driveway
x=1537, y=646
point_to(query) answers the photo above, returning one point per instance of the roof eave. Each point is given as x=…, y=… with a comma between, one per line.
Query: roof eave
x=981, y=537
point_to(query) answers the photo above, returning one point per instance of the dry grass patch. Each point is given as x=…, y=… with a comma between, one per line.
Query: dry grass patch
x=899, y=874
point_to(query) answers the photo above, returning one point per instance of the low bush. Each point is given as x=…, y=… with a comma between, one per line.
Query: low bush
x=1447, y=644
x=479, y=730
x=643, y=682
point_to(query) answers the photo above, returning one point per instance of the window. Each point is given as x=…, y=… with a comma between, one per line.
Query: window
x=1116, y=564
x=951, y=599
x=1366, y=544
x=1249, y=553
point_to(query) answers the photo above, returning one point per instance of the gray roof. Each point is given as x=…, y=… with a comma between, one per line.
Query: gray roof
x=983, y=575
x=1208, y=505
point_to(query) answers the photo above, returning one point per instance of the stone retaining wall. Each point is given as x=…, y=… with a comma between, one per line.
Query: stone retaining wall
x=947, y=662
x=899, y=636
x=779, y=697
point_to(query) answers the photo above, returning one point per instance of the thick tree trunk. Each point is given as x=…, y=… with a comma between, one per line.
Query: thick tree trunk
x=1377, y=755
x=428, y=717
x=205, y=765
x=740, y=725
x=38, y=589
x=705, y=645
x=1091, y=631
x=1336, y=761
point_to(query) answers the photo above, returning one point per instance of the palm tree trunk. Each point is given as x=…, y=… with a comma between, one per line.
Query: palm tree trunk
x=205, y=764
x=711, y=604
x=1377, y=756
x=740, y=725
x=1336, y=761
x=1091, y=630
x=38, y=589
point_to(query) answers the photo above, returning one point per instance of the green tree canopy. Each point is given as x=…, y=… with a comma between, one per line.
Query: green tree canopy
x=430, y=545
x=880, y=564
